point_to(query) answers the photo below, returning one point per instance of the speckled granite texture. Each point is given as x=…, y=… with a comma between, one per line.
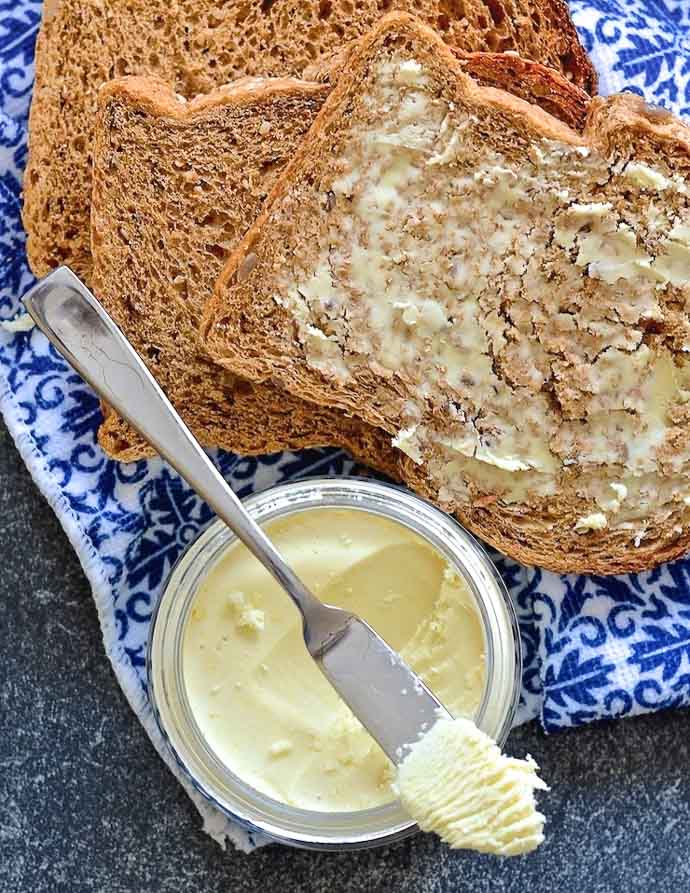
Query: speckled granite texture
x=75, y=816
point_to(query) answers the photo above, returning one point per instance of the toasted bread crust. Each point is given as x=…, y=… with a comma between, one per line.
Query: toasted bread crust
x=541, y=531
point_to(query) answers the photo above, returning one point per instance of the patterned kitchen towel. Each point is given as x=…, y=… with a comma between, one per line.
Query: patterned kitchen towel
x=594, y=647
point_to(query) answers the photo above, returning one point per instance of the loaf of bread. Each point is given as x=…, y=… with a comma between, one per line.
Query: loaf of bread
x=176, y=186
x=197, y=45
x=503, y=295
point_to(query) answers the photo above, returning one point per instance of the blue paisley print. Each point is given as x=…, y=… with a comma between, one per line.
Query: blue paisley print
x=642, y=46
x=593, y=647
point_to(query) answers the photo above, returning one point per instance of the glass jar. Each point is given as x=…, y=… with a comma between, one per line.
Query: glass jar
x=228, y=792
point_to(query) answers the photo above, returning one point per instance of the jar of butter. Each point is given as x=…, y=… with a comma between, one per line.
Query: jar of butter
x=250, y=719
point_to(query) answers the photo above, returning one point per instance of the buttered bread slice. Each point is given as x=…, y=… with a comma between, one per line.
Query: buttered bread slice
x=506, y=297
x=176, y=186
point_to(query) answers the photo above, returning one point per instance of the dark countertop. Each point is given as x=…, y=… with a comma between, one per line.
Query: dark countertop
x=86, y=804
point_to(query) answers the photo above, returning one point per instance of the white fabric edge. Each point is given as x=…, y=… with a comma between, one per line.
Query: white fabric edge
x=215, y=824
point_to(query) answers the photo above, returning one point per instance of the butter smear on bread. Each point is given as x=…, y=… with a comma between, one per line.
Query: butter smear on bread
x=425, y=303
x=504, y=296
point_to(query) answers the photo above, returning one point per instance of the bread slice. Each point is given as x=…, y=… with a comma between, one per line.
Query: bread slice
x=506, y=297
x=197, y=45
x=176, y=186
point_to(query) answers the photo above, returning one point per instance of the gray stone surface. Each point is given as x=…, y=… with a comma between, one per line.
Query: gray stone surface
x=86, y=805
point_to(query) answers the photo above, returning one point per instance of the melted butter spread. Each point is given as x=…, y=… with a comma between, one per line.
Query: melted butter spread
x=531, y=305
x=456, y=783
x=258, y=698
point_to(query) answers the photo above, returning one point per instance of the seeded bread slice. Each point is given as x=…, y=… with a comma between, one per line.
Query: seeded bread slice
x=506, y=297
x=176, y=186
x=197, y=45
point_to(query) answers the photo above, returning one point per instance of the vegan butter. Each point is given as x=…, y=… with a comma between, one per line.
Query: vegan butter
x=456, y=782
x=259, y=700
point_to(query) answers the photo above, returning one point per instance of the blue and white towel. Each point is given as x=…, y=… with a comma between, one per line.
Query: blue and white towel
x=594, y=647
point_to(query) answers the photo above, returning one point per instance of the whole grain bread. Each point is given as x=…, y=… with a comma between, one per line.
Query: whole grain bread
x=176, y=186
x=506, y=297
x=197, y=45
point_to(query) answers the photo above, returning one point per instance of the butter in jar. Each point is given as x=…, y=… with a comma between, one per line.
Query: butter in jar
x=258, y=698
x=278, y=734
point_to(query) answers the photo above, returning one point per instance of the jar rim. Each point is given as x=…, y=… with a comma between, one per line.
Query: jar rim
x=216, y=782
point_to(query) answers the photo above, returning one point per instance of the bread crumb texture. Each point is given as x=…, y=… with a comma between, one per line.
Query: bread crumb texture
x=197, y=45
x=507, y=298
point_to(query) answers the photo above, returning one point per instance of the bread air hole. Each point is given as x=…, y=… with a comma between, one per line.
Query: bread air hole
x=454, y=8
x=217, y=251
x=497, y=11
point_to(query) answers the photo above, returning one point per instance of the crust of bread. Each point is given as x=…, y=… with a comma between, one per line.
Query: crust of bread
x=155, y=97
x=528, y=80
x=543, y=534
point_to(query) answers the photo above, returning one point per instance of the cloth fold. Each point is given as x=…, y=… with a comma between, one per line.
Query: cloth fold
x=593, y=647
